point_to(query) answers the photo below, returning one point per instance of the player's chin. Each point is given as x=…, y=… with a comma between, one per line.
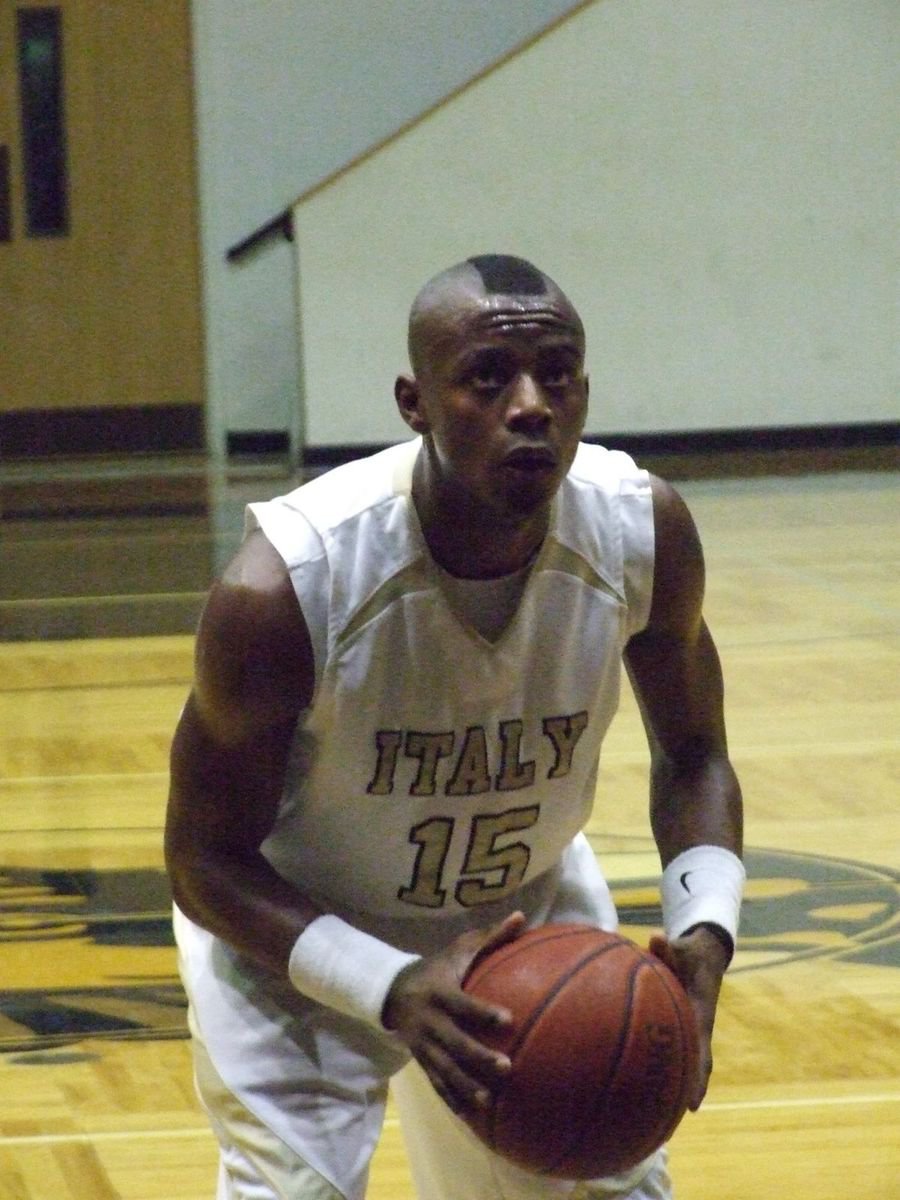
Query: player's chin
x=527, y=490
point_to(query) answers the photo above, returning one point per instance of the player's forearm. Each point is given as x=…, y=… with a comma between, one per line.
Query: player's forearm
x=694, y=803
x=696, y=814
x=240, y=899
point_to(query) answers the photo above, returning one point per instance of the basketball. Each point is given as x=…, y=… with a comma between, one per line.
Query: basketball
x=603, y=1045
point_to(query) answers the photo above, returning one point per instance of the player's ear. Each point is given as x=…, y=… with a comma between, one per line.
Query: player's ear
x=409, y=402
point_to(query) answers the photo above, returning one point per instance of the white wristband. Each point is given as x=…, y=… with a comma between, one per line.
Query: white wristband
x=345, y=968
x=703, y=883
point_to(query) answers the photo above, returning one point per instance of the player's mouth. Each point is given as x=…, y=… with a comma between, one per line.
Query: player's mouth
x=530, y=460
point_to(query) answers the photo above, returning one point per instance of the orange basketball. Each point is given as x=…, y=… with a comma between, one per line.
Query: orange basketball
x=603, y=1046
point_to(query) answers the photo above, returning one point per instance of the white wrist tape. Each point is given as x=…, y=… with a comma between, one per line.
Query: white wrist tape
x=703, y=883
x=345, y=968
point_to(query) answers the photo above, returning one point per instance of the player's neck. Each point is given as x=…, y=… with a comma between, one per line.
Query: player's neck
x=477, y=544
x=469, y=560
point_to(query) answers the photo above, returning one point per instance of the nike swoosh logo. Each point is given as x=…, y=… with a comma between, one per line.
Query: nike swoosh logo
x=684, y=878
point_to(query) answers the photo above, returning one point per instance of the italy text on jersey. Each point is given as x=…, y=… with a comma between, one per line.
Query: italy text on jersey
x=465, y=758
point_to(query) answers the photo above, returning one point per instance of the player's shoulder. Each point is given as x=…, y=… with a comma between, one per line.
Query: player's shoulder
x=344, y=491
x=676, y=530
x=253, y=647
x=601, y=472
x=253, y=600
x=678, y=567
x=618, y=471
x=256, y=568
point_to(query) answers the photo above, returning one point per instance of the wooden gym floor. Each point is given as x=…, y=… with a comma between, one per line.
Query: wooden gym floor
x=103, y=577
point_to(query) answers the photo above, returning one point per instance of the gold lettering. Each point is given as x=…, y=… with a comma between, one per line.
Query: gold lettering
x=513, y=773
x=564, y=733
x=387, y=743
x=429, y=749
x=471, y=775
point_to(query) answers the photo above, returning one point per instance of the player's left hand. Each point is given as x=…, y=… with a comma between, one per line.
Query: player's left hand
x=427, y=1008
x=698, y=960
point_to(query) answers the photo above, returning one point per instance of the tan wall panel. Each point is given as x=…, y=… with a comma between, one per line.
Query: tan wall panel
x=110, y=314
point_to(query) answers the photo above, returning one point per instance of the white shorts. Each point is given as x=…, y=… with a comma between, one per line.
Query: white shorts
x=447, y=1161
x=296, y=1092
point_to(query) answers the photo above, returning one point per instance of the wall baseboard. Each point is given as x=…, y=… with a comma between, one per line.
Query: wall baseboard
x=256, y=443
x=722, y=453
x=73, y=432
x=179, y=428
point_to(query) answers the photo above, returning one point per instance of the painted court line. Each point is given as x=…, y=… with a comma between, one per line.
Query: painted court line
x=812, y=1102
x=76, y=778
x=146, y=1135
x=110, y=598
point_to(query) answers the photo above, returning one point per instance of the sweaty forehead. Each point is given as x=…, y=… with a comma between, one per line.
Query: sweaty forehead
x=487, y=295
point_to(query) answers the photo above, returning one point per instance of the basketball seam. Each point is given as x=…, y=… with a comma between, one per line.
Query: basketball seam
x=654, y=966
x=613, y=1064
x=538, y=1012
x=514, y=949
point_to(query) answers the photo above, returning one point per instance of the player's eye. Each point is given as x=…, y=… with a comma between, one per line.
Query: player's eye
x=488, y=381
x=560, y=378
x=490, y=376
x=558, y=374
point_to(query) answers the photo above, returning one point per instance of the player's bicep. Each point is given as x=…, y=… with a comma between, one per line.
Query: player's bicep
x=673, y=663
x=678, y=686
x=253, y=679
x=254, y=661
x=222, y=786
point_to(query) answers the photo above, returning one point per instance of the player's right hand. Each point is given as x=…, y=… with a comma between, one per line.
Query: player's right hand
x=699, y=961
x=427, y=1009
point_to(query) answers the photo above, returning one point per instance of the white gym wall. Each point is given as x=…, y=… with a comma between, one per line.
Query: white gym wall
x=714, y=182
x=287, y=92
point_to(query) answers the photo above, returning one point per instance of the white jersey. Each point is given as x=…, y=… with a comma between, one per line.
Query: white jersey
x=437, y=771
x=438, y=780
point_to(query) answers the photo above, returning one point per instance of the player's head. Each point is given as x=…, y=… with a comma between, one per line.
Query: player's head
x=482, y=281
x=498, y=388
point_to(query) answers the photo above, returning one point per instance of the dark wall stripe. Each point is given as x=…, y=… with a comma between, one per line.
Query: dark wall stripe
x=694, y=441
x=40, y=53
x=152, y=429
x=5, y=213
x=773, y=437
x=164, y=428
x=723, y=452
x=258, y=441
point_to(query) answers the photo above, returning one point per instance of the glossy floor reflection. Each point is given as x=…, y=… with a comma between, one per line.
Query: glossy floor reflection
x=119, y=549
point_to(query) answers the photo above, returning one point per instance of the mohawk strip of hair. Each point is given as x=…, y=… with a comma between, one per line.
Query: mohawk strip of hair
x=507, y=275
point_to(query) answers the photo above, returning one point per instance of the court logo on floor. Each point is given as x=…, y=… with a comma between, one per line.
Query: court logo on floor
x=86, y=954
x=796, y=906
x=90, y=954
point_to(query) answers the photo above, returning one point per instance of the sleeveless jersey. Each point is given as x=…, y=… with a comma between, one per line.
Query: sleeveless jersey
x=436, y=771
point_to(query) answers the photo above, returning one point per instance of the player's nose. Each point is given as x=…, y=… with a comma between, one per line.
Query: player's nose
x=528, y=406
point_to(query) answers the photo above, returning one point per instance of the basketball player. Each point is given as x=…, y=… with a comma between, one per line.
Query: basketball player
x=403, y=680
